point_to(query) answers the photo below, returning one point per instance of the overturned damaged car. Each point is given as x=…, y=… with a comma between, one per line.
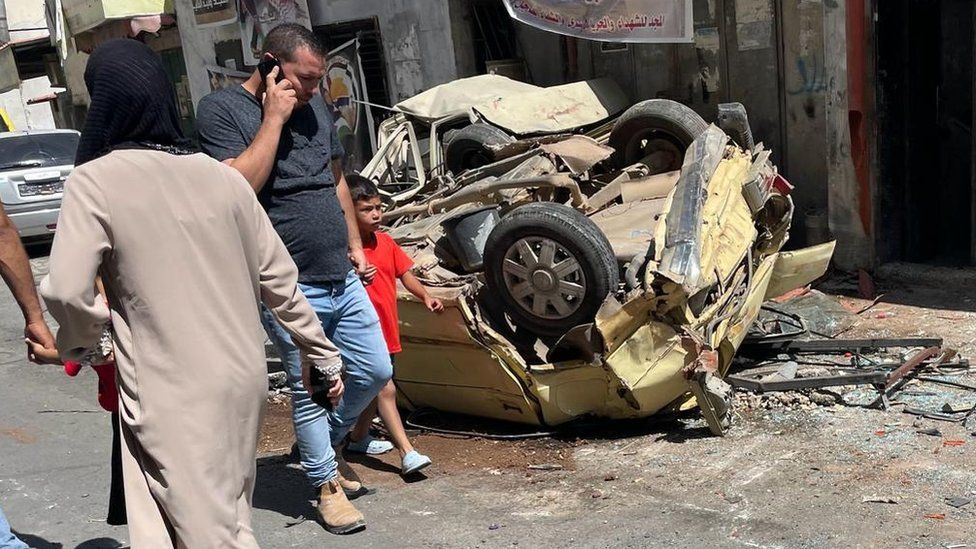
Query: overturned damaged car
x=575, y=286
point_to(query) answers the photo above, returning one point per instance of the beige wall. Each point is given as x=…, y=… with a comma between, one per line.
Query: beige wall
x=25, y=19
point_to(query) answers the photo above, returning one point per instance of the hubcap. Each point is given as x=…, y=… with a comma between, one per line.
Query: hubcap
x=544, y=278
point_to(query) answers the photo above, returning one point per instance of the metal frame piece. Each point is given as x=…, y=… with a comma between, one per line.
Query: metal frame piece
x=482, y=190
x=766, y=348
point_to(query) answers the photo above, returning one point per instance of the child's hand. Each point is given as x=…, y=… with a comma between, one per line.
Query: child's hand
x=433, y=304
x=368, y=274
x=362, y=266
x=40, y=344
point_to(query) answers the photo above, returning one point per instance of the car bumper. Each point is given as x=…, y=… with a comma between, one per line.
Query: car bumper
x=36, y=223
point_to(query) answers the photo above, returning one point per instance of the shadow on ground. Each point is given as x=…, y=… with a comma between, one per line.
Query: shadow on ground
x=913, y=285
x=372, y=463
x=101, y=543
x=282, y=487
x=36, y=542
x=673, y=427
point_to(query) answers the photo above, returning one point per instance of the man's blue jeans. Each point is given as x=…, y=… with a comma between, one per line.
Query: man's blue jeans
x=350, y=321
x=7, y=539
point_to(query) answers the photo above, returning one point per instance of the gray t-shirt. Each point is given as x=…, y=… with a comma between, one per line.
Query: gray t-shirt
x=300, y=194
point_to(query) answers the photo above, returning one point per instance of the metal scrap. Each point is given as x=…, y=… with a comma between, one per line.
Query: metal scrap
x=767, y=348
x=958, y=502
x=911, y=365
x=932, y=414
x=579, y=153
x=862, y=367
x=483, y=191
x=714, y=395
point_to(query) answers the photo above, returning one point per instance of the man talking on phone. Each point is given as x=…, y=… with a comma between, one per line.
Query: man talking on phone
x=278, y=132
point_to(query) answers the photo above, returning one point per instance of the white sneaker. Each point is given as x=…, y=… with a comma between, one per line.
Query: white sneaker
x=370, y=446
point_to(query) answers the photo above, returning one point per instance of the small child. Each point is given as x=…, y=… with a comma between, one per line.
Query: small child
x=390, y=263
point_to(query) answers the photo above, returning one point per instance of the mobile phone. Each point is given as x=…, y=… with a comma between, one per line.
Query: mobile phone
x=269, y=62
x=320, y=389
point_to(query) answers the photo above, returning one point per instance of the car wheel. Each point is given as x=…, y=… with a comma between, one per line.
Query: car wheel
x=656, y=132
x=470, y=147
x=551, y=266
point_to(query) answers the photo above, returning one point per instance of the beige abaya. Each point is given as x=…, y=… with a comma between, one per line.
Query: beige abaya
x=186, y=254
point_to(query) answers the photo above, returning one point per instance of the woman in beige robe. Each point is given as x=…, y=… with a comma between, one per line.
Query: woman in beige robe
x=186, y=254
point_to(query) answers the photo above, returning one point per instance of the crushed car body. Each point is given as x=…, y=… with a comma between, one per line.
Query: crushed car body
x=576, y=286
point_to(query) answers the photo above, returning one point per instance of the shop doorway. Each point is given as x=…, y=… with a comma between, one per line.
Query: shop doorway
x=924, y=59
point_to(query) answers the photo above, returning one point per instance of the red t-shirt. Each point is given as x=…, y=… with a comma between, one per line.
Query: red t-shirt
x=391, y=263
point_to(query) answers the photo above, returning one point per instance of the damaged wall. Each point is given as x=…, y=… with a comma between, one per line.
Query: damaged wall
x=804, y=94
x=417, y=38
x=849, y=219
x=752, y=52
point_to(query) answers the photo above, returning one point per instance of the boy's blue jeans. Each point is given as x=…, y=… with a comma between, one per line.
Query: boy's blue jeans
x=7, y=539
x=350, y=321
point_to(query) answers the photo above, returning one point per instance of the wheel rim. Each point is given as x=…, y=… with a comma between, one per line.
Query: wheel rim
x=544, y=278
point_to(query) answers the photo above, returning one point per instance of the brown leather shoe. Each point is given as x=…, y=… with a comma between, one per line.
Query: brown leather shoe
x=351, y=484
x=337, y=514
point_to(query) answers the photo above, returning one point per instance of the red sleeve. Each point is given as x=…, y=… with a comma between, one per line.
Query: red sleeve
x=401, y=261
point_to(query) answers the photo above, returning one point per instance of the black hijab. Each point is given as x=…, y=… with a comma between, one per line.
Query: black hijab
x=133, y=105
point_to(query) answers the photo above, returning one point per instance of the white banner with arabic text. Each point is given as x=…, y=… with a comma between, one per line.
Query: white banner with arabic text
x=667, y=21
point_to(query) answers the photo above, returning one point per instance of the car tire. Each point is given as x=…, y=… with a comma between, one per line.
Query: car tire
x=551, y=266
x=470, y=147
x=659, y=129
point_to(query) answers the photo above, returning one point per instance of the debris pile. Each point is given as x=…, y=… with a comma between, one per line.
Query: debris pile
x=784, y=363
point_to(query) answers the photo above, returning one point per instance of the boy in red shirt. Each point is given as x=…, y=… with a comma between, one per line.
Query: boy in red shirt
x=389, y=263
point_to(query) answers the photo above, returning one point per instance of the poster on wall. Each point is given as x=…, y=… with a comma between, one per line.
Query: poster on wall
x=211, y=13
x=222, y=77
x=649, y=21
x=258, y=17
x=344, y=90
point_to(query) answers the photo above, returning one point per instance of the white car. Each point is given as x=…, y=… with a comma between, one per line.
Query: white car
x=33, y=167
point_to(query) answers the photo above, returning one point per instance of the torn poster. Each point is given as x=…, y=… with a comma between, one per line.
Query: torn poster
x=258, y=17
x=344, y=90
